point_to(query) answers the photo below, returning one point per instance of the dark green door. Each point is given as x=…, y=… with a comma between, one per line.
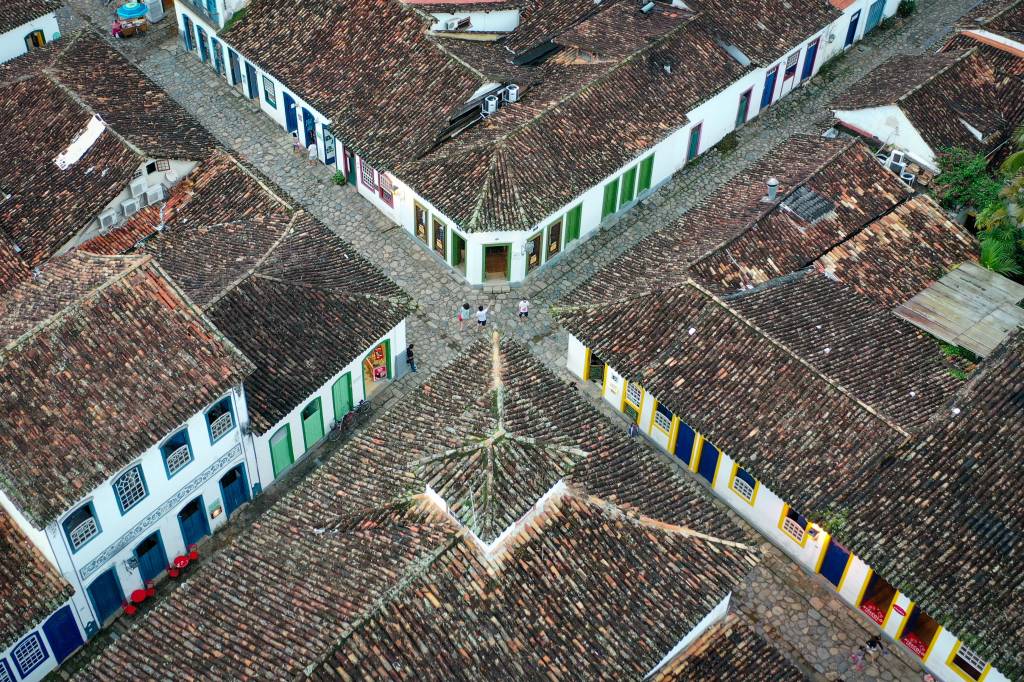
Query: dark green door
x=628, y=186
x=341, y=394
x=312, y=423
x=458, y=251
x=611, y=194
x=281, y=449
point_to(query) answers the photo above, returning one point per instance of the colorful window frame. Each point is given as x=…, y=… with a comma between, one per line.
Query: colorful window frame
x=29, y=654
x=573, y=221
x=6, y=675
x=386, y=189
x=743, y=484
x=176, y=458
x=628, y=192
x=693, y=142
x=969, y=658
x=611, y=196
x=130, y=489
x=224, y=404
x=421, y=222
x=70, y=532
x=440, y=238
x=269, y=92
x=554, y=242
x=368, y=175
x=661, y=418
x=646, y=174
x=790, y=523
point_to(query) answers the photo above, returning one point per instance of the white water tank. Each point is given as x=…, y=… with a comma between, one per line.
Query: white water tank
x=489, y=105
x=511, y=93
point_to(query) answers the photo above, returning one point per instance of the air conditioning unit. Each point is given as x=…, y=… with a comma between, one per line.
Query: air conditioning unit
x=107, y=220
x=154, y=194
x=138, y=187
x=489, y=105
x=511, y=93
x=451, y=24
x=130, y=207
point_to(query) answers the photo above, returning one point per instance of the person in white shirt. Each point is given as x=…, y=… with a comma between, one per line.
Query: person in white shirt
x=311, y=153
x=524, y=309
x=481, y=316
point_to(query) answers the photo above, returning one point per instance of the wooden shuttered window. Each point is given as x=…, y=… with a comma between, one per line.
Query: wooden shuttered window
x=611, y=195
x=628, y=187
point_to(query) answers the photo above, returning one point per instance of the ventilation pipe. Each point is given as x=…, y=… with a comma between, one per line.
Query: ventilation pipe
x=773, y=189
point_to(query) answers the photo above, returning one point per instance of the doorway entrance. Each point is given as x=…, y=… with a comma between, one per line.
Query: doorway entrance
x=789, y=76
x=236, y=67
x=234, y=490
x=874, y=16
x=250, y=81
x=106, y=595
x=291, y=114
x=497, y=263
x=204, y=47
x=376, y=368
x=878, y=597
x=308, y=127
x=151, y=557
x=458, y=252
x=192, y=519
x=595, y=369
x=63, y=634
x=833, y=565
x=350, y=167
x=312, y=423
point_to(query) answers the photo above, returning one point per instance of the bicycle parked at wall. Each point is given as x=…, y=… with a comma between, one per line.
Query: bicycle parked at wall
x=354, y=419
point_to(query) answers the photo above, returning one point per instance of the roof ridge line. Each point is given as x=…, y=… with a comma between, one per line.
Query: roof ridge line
x=771, y=339
x=140, y=260
x=956, y=60
x=259, y=262
x=259, y=181
x=650, y=522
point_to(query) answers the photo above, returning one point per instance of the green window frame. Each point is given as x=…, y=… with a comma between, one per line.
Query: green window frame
x=646, y=173
x=312, y=418
x=269, y=92
x=611, y=195
x=628, y=187
x=573, y=220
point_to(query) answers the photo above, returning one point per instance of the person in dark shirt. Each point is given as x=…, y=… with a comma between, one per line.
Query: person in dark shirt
x=410, y=358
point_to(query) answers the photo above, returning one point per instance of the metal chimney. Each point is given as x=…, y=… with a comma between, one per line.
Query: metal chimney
x=773, y=189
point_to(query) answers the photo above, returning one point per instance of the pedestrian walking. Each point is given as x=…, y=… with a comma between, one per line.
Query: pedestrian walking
x=481, y=316
x=296, y=145
x=632, y=430
x=524, y=309
x=311, y=153
x=464, y=313
x=410, y=358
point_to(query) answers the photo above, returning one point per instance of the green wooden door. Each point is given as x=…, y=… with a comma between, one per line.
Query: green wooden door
x=646, y=171
x=628, y=186
x=312, y=423
x=341, y=393
x=572, y=223
x=281, y=455
x=611, y=195
x=458, y=251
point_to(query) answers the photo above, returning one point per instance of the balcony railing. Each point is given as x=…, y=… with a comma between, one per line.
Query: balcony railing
x=221, y=425
x=206, y=8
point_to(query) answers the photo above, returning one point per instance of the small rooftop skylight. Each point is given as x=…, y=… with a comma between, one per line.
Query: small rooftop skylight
x=808, y=204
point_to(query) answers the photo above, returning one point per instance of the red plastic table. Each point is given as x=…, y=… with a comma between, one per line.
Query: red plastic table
x=180, y=562
x=138, y=596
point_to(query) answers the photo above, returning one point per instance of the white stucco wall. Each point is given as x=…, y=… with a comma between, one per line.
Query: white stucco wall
x=494, y=21
x=261, y=442
x=49, y=664
x=891, y=126
x=12, y=43
x=120, y=533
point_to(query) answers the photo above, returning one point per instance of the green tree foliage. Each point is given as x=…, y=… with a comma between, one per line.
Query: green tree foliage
x=964, y=180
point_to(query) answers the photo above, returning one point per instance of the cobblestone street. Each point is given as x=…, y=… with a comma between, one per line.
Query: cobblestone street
x=804, y=618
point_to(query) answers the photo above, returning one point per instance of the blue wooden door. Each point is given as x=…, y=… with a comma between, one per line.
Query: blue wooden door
x=105, y=593
x=193, y=522
x=874, y=16
x=189, y=38
x=234, y=489
x=809, y=59
x=768, y=94
x=204, y=47
x=250, y=77
x=834, y=564
x=308, y=127
x=684, y=443
x=63, y=634
x=851, y=32
x=708, y=463
x=291, y=117
x=218, y=56
x=330, y=147
x=151, y=556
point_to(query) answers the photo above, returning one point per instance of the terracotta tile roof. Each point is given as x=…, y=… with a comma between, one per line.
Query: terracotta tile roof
x=12, y=268
x=730, y=650
x=848, y=338
x=282, y=287
x=577, y=123
x=1008, y=67
x=584, y=591
x=14, y=13
x=944, y=96
x=118, y=337
x=765, y=30
x=749, y=396
x=348, y=546
x=66, y=84
x=542, y=20
x=853, y=190
x=1002, y=16
x=950, y=536
x=30, y=587
x=873, y=262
